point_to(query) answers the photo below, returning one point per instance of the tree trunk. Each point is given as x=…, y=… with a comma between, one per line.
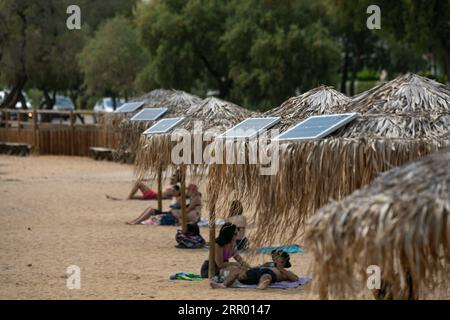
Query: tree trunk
x=355, y=65
x=224, y=88
x=448, y=66
x=11, y=99
x=48, y=104
x=114, y=101
x=344, y=72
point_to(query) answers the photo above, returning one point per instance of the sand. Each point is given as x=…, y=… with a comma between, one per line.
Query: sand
x=53, y=214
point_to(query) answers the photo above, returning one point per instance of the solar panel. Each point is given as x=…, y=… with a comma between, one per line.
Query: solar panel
x=130, y=106
x=163, y=125
x=149, y=114
x=250, y=128
x=317, y=127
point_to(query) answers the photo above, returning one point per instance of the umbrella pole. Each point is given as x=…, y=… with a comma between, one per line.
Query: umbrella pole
x=183, y=198
x=323, y=288
x=160, y=188
x=212, y=242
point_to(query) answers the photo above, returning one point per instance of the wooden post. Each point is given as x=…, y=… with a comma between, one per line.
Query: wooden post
x=183, y=198
x=212, y=241
x=160, y=188
x=18, y=120
x=72, y=133
x=7, y=118
x=35, y=132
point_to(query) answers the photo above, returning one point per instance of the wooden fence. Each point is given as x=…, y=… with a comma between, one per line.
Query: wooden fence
x=68, y=138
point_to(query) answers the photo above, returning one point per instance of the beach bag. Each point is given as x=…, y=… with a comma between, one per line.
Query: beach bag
x=168, y=220
x=189, y=240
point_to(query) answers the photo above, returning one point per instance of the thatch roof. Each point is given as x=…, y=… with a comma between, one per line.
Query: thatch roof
x=215, y=114
x=129, y=132
x=406, y=94
x=400, y=222
x=409, y=106
x=311, y=173
x=320, y=100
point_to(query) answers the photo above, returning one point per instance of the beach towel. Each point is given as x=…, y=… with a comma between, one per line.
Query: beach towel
x=189, y=240
x=185, y=276
x=204, y=222
x=268, y=250
x=277, y=285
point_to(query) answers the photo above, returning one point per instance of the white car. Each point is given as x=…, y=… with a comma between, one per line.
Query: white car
x=106, y=105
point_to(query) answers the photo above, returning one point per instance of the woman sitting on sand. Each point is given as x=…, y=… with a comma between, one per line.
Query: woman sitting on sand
x=225, y=249
x=236, y=217
x=193, y=210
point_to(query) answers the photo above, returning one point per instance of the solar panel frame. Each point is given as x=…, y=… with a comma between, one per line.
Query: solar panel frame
x=274, y=121
x=162, y=111
x=125, y=108
x=349, y=117
x=178, y=121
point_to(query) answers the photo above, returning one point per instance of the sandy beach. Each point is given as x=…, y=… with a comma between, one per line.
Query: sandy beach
x=54, y=213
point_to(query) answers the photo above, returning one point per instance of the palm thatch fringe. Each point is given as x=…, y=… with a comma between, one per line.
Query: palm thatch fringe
x=400, y=223
x=400, y=121
x=406, y=126
x=320, y=100
x=310, y=174
x=129, y=132
x=212, y=114
x=408, y=93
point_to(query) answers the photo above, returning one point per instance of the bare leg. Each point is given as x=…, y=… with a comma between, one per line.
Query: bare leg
x=134, y=190
x=264, y=281
x=229, y=280
x=144, y=216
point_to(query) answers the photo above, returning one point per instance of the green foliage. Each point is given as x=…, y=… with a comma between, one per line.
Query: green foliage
x=367, y=74
x=112, y=58
x=245, y=49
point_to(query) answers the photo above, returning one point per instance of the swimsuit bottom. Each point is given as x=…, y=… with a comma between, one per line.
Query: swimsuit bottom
x=254, y=275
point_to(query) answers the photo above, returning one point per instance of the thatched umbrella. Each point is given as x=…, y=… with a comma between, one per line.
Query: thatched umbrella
x=392, y=131
x=129, y=132
x=400, y=223
x=320, y=100
x=154, y=153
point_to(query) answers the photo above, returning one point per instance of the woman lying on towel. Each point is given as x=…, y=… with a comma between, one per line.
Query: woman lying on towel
x=193, y=210
x=225, y=249
x=262, y=276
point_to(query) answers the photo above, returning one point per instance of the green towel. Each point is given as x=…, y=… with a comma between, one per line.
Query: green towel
x=185, y=276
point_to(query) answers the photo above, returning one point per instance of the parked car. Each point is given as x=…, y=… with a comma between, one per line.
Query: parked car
x=62, y=103
x=106, y=105
x=13, y=115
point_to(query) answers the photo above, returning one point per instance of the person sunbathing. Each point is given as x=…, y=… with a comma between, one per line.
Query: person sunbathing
x=237, y=218
x=148, y=193
x=261, y=276
x=225, y=249
x=193, y=210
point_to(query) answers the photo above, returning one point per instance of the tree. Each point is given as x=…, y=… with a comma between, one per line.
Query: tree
x=423, y=23
x=254, y=52
x=111, y=59
x=36, y=48
x=277, y=49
